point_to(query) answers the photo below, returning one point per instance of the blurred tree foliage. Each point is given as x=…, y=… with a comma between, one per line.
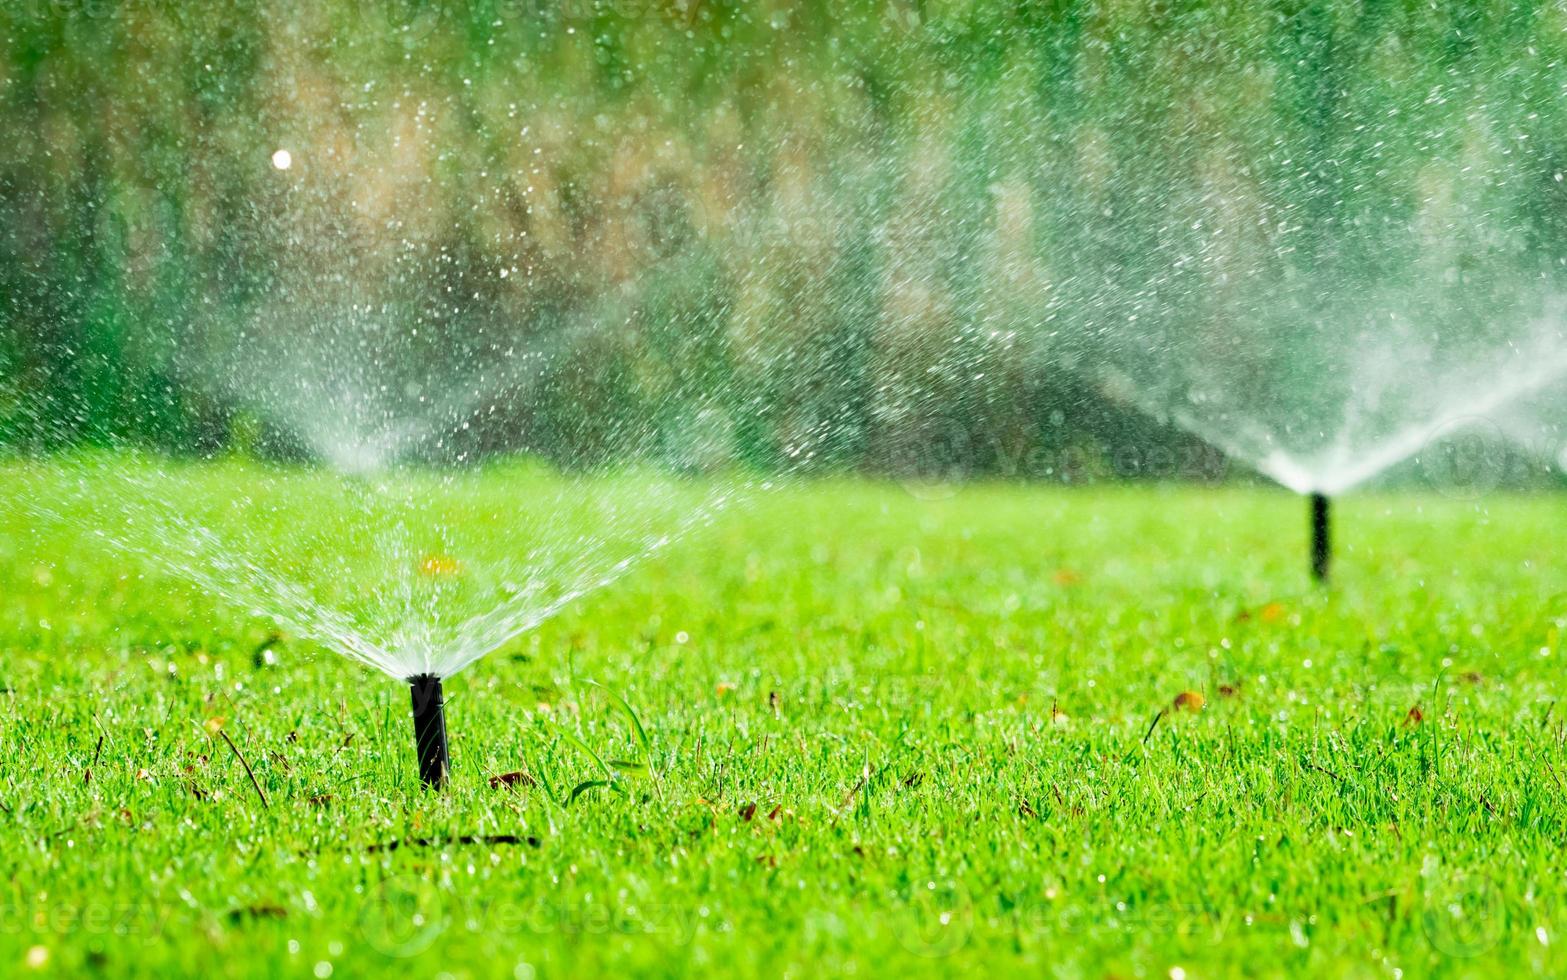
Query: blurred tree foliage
x=873, y=232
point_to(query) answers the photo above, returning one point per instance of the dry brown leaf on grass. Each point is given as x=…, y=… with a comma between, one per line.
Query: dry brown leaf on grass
x=1189, y=701
x=510, y=779
x=258, y=912
x=1270, y=612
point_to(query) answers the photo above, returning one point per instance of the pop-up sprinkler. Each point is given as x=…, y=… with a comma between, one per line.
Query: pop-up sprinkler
x=430, y=729
x=1321, y=537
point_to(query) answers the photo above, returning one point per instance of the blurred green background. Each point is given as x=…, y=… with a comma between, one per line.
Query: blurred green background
x=886, y=228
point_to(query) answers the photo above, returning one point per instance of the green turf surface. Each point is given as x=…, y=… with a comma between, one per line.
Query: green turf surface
x=890, y=731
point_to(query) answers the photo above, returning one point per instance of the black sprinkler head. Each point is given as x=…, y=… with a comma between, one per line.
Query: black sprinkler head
x=1321, y=537
x=430, y=729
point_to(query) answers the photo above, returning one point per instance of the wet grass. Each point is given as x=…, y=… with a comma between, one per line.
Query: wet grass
x=880, y=731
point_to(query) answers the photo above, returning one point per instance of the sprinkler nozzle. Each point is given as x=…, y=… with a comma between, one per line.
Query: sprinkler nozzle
x=1321, y=538
x=430, y=729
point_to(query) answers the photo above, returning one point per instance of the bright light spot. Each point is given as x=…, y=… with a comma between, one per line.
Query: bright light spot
x=282, y=159
x=1176, y=973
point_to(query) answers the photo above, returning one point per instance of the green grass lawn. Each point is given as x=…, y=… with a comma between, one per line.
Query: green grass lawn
x=888, y=733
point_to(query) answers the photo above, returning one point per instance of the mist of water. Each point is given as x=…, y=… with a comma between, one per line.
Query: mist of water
x=508, y=307
x=1389, y=399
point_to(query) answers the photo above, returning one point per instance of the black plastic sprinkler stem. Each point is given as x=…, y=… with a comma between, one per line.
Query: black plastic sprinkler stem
x=430, y=729
x=1321, y=538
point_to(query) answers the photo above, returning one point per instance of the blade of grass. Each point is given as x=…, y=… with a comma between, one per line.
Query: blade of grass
x=642, y=737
